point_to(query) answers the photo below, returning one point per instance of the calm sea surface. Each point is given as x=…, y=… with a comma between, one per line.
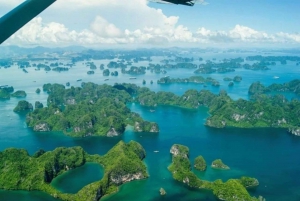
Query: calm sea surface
x=270, y=155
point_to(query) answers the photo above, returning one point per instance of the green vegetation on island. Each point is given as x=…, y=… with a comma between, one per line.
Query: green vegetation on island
x=261, y=111
x=23, y=106
x=199, y=163
x=20, y=171
x=38, y=90
x=232, y=190
x=5, y=92
x=218, y=164
x=98, y=110
x=19, y=94
x=292, y=86
x=38, y=104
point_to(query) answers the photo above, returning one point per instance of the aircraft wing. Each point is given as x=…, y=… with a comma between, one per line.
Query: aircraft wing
x=21, y=15
x=181, y=2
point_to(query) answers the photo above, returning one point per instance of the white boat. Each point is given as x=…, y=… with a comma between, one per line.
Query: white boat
x=155, y=151
x=275, y=77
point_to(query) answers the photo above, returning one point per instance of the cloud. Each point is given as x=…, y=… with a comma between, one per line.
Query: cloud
x=102, y=32
x=115, y=22
x=104, y=28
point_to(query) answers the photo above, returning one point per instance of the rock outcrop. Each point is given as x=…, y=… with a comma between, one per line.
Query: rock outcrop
x=120, y=179
x=19, y=94
x=23, y=106
x=42, y=127
x=218, y=164
x=112, y=132
x=146, y=126
x=179, y=150
x=162, y=191
x=294, y=131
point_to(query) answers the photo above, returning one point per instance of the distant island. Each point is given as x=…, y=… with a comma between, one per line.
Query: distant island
x=181, y=171
x=292, y=86
x=192, y=79
x=20, y=171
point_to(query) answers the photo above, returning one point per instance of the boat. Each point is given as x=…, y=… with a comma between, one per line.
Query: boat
x=132, y=78
x=152, y=110
x=275, y=77
x=155, y=151
x=106, y=79
x=79, y=80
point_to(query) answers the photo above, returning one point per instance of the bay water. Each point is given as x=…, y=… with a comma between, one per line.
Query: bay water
x=270, y=155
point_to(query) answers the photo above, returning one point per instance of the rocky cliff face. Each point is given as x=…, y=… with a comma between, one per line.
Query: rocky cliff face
x=146, y=126
x=41, y=127
x=216, y=123
x=154, y=128
x=120, y=179
x=179, y=150
x=294, y=131
x=112, y=132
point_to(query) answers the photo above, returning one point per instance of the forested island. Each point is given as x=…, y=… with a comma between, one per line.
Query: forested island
x=192, y=79
x=233, y=189
x=5, y=92
x=292, y=86
x=101, y=109
x=261, y=111
x=90, y=110
x=20, y=171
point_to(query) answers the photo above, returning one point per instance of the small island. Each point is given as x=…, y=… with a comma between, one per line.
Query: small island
x=200, y=163
x=19, y=94
x=162, y=191
x=218, y=164
x=181, y=171
x=5, y=91
x=23, y=106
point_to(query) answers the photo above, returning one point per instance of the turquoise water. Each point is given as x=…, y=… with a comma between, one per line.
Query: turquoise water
x=74, y=180
x=270, y=155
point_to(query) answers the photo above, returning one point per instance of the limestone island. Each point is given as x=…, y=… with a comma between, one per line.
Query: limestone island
x=23, y=106
x=5, y=91
x=38, y=90
x=162, y=191
x=261, y=111
x=200, y=163
x=233, y=189
x=90, y=110
x=218, y=164
x=19, y=94
x=20, y=171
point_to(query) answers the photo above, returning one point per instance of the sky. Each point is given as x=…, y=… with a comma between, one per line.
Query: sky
x=142, y=23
